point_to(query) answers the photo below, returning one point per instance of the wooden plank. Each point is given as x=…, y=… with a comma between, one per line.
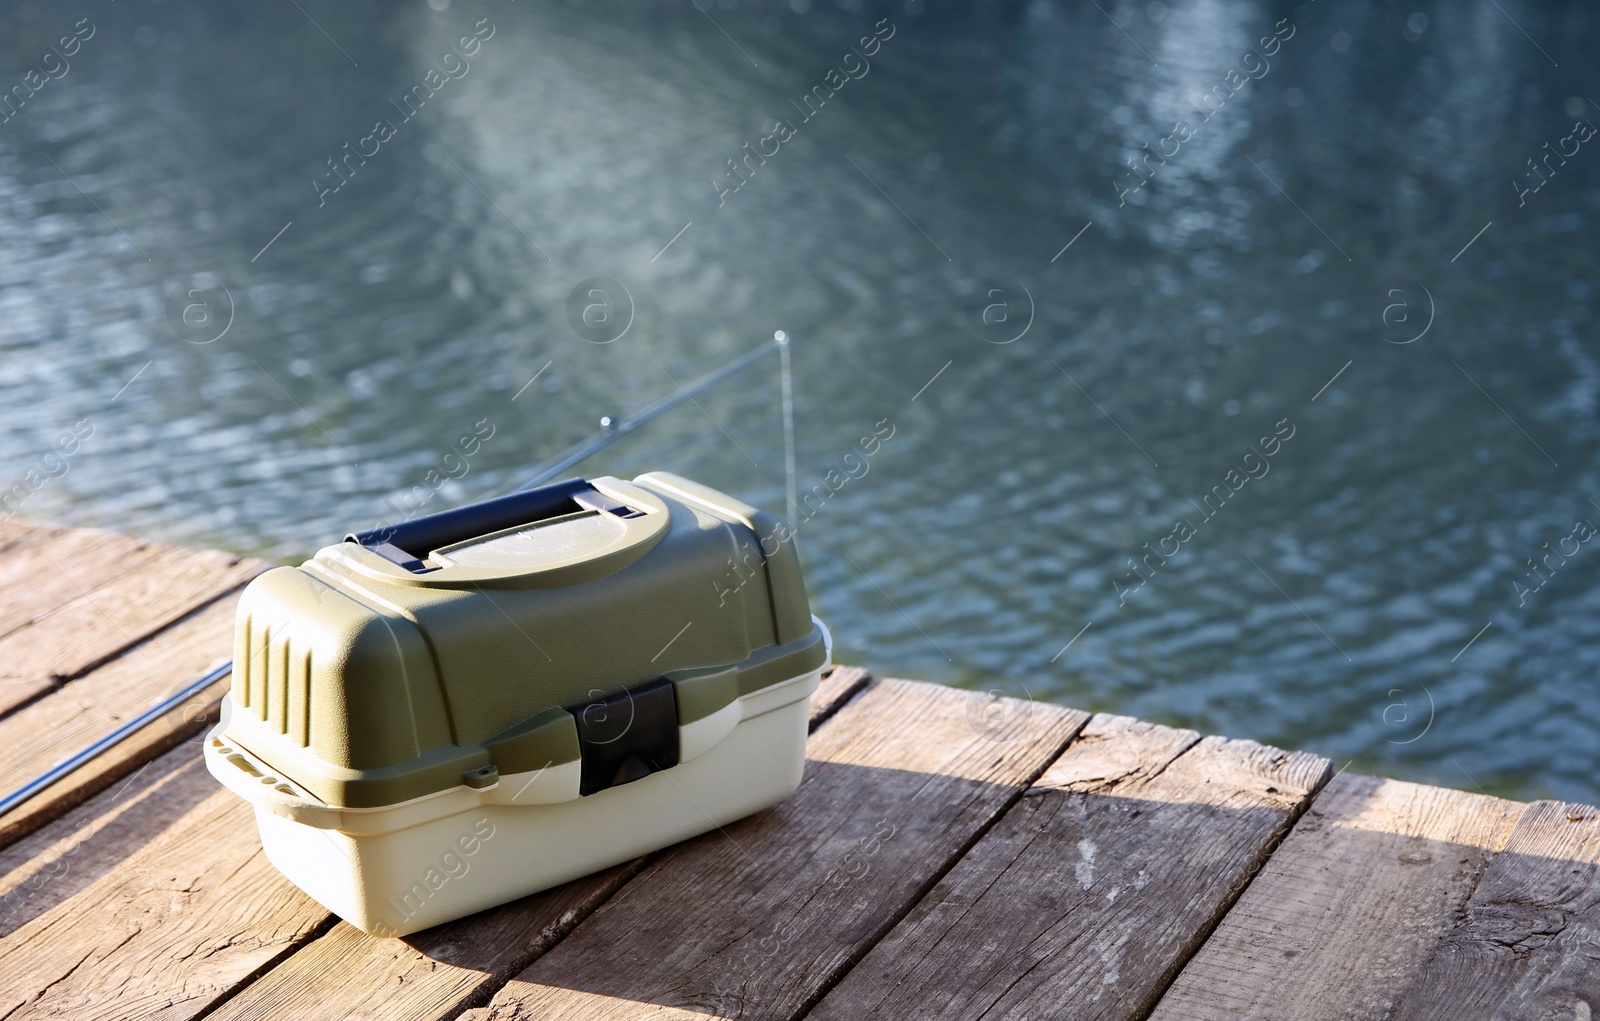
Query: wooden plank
x=1086, y=898
x=347, y=975
x=48, y=568
x=440, y=971
x=167, y=933
x=1528, y=946
x=755, y=921
x=16, y=531
x=1372, y=877
x=50, y=865
x=98, y=624
x=39, y=735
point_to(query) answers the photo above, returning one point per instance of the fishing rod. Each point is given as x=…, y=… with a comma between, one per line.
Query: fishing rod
x=116, y=737
x=610, y=432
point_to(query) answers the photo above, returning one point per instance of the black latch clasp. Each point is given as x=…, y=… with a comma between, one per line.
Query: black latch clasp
x=628, y=736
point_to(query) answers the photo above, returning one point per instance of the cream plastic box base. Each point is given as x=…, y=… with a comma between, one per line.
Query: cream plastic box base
x=395, y=870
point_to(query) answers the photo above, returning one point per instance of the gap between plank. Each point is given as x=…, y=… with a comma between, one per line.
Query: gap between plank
x=1202, y=935
x=43, y=808
x=923, y=889
x=850, y=694
x=313, y=934
x=1461, y=911
x=484, y=994
x=28, y=822
x=60, y=681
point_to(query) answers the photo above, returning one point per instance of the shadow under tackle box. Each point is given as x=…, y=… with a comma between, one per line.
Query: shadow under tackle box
x=437, y=717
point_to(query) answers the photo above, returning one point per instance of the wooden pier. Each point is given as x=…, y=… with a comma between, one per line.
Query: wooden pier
x=947, y=857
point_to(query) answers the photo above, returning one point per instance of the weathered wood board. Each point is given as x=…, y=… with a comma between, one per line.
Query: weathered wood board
x=37, y=736
x=1090, y=893
x=1528, y=946
x=100, y=623
x=47, y=867
x=1348, y=908
x=169, y=932
x=46, y=568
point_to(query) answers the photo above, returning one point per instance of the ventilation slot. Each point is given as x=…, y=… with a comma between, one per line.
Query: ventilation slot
x=276, y=680
x=241, y=664
x=300, y=701
x=272, y=679
x=260, y=679
x=279, y=656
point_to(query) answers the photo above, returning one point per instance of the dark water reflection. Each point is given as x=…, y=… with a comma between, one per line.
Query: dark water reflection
x=1325, y=605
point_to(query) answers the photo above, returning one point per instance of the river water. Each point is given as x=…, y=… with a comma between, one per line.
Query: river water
x=1105, y=390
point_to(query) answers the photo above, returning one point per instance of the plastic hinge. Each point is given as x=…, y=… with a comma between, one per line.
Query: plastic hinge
x=593, y=499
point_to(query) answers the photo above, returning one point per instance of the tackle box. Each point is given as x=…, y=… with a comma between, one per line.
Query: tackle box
x=442, y=715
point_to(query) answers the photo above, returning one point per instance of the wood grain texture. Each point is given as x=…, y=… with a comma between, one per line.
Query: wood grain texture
x=99, y=624
x=167, y=933
x=1348, y=908
x=1528, y=946
x=1089, y=894
x=38, y=735
x=442, y=970
x=13, y=528
x=347, y=975
x=48, y=568
x=756, y=921
x=15, y=532
x=48, y=866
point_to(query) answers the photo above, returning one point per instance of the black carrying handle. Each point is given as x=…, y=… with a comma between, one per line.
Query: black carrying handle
x=408, y=542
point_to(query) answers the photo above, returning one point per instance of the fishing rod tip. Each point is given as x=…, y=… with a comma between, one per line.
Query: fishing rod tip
x=781, y=338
